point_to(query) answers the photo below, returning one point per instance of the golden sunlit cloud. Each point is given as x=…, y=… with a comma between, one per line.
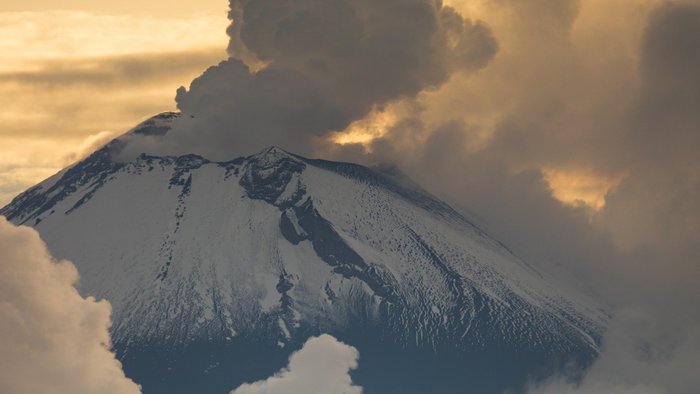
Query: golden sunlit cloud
x=365, y=130
x=580, y=188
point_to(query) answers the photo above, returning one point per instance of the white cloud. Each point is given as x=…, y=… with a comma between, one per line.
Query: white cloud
x=52, y=339
x=321, y=366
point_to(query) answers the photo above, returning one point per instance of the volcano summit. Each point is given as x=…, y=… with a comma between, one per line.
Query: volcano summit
x=217, y=271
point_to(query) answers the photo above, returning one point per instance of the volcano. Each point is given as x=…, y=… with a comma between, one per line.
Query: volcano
x=218, y=270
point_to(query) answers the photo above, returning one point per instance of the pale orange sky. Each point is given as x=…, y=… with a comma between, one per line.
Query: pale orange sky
x=67, y=79
x=153, y=8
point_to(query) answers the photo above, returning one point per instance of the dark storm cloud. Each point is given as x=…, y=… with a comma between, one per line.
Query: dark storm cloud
x=663, y=137
x=326, y=63
x=669, y=105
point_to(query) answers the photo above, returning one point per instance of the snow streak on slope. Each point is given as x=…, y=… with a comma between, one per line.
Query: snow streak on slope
x=276, y=246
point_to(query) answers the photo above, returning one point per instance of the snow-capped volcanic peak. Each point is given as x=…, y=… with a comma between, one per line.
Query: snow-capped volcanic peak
x=276, y=246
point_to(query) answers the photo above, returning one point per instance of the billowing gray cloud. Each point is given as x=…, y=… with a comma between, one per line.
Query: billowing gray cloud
x=52, y=339
x=322, y=365
x=326, y=63
x=584, y=106
x=567, y=114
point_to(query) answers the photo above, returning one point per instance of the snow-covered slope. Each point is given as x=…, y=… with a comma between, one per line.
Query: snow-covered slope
x=277, y=247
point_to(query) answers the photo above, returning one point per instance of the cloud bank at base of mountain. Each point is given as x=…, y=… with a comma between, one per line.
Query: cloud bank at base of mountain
x=52, y=339
x=641, y=355
x=322, y=365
